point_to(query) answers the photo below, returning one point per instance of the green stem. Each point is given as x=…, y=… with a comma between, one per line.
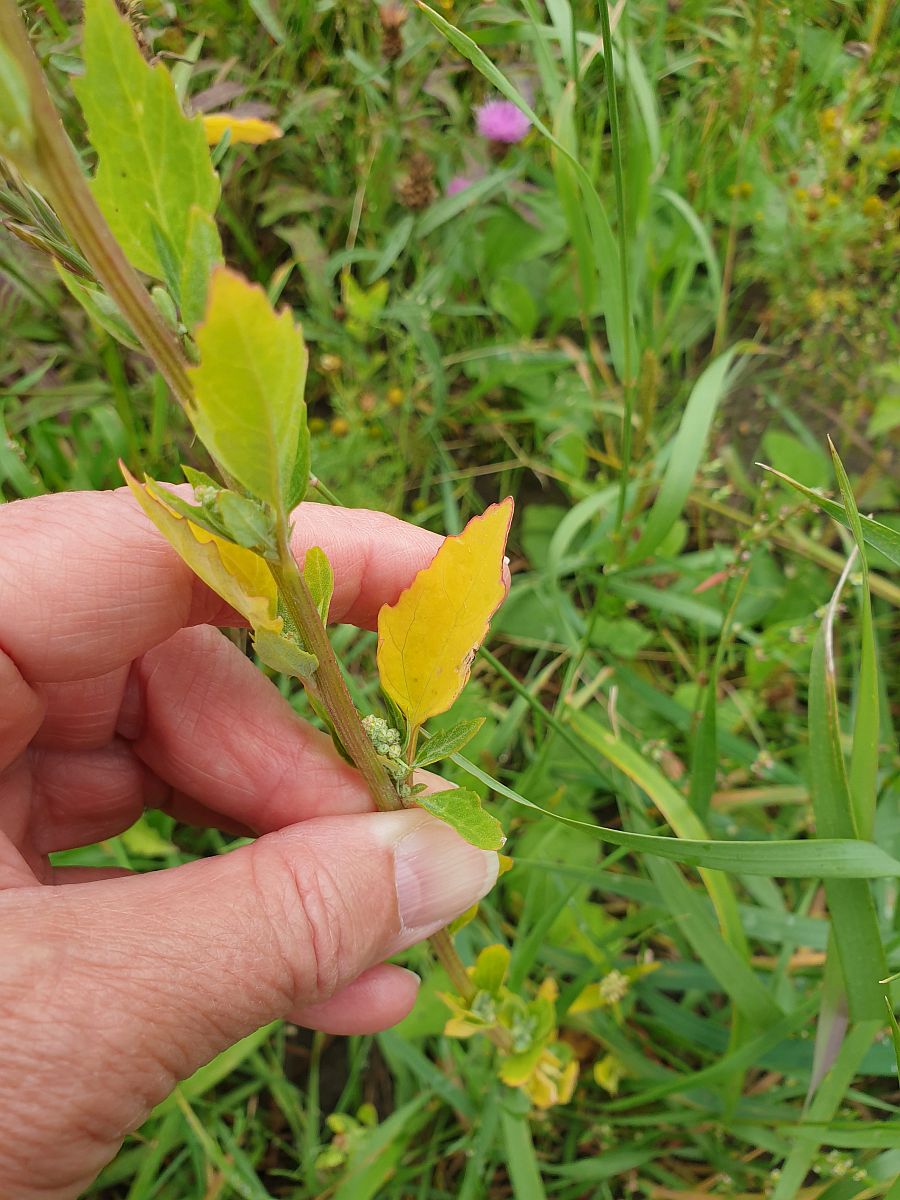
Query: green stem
x=67, y=189
x=329, y=680
x=622, y=237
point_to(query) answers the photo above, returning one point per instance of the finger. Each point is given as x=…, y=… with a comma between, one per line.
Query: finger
x=378, y=999
x=214, y=728
x=84, y=797
x=173, y=967
x=87, y=583
x=60, y=876
x=81, y=715
x=21, y=712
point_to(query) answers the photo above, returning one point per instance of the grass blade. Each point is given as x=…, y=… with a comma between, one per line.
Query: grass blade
x=521, y=1161
x=823, y=1108
x=850, y=902
x=878, y=536
x=824, y=858
x=863, y=777
x=687, y=450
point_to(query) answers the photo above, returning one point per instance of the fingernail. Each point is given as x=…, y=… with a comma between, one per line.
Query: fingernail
x=439, y=876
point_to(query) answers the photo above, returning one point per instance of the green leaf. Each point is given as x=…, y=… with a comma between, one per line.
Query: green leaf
x=878, y=536
x=238, y=519
x=447, y=741
x=895, y=1032
x=202, y=254
x=364, y=305
x=850, y=903
x=462, y=809
x=863, y=777
x=144, y=841
x=16, y=127
x=520, y=1157
x=248, y=407
x=687, y=449
x=283, y=654
x=490, y=969
x=153, y=165
x=676, y=811
x=319, y=579
x=512, y=300
x=102, y=309
x=789, y=454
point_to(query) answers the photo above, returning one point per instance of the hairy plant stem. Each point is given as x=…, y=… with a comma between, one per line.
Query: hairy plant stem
x=58, y=172
x=329, y=680
x=56, y=169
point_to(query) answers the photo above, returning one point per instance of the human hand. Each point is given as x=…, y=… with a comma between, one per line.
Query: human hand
x=116, y=693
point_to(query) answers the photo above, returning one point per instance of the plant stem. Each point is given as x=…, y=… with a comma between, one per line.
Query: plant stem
x=445, y=952
x=61, y=176
x=330, y=681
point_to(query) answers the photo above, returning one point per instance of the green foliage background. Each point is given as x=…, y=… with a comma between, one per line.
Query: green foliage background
x=656, y=667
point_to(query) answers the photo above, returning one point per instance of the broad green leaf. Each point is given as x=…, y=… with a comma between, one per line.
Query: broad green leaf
x=16, y=127
x=462, y=809
x=426, y=640
x=850, y=904
x=252, y=131
x=447, y=742
x=687, y=449
x=878, y=536
x=319, y=579
x=153, y=164
x=284, y=654
x=248, y=407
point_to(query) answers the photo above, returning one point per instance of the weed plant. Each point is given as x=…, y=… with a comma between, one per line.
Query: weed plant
x=686, y=266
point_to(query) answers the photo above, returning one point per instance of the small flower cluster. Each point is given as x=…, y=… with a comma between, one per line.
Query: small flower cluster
x=388, y=745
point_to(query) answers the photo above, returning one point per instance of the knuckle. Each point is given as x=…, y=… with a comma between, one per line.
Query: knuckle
x=308, y=917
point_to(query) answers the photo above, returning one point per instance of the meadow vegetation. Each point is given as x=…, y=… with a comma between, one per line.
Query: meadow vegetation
x=612, y=299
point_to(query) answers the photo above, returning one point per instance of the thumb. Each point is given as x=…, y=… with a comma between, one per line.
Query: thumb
x=131, y=984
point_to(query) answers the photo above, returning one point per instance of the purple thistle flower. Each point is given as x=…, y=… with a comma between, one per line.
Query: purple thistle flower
x=458, y=184
x=501, y=121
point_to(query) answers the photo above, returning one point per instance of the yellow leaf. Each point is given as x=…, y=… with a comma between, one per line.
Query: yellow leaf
x=609, y=1073
x=250, y=130
x=239, y=576
x=426, y=641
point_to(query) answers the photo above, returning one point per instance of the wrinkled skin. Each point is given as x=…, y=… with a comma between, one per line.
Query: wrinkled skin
x=116, y=693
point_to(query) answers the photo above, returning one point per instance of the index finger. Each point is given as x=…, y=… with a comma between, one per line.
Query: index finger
x=87, y=583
